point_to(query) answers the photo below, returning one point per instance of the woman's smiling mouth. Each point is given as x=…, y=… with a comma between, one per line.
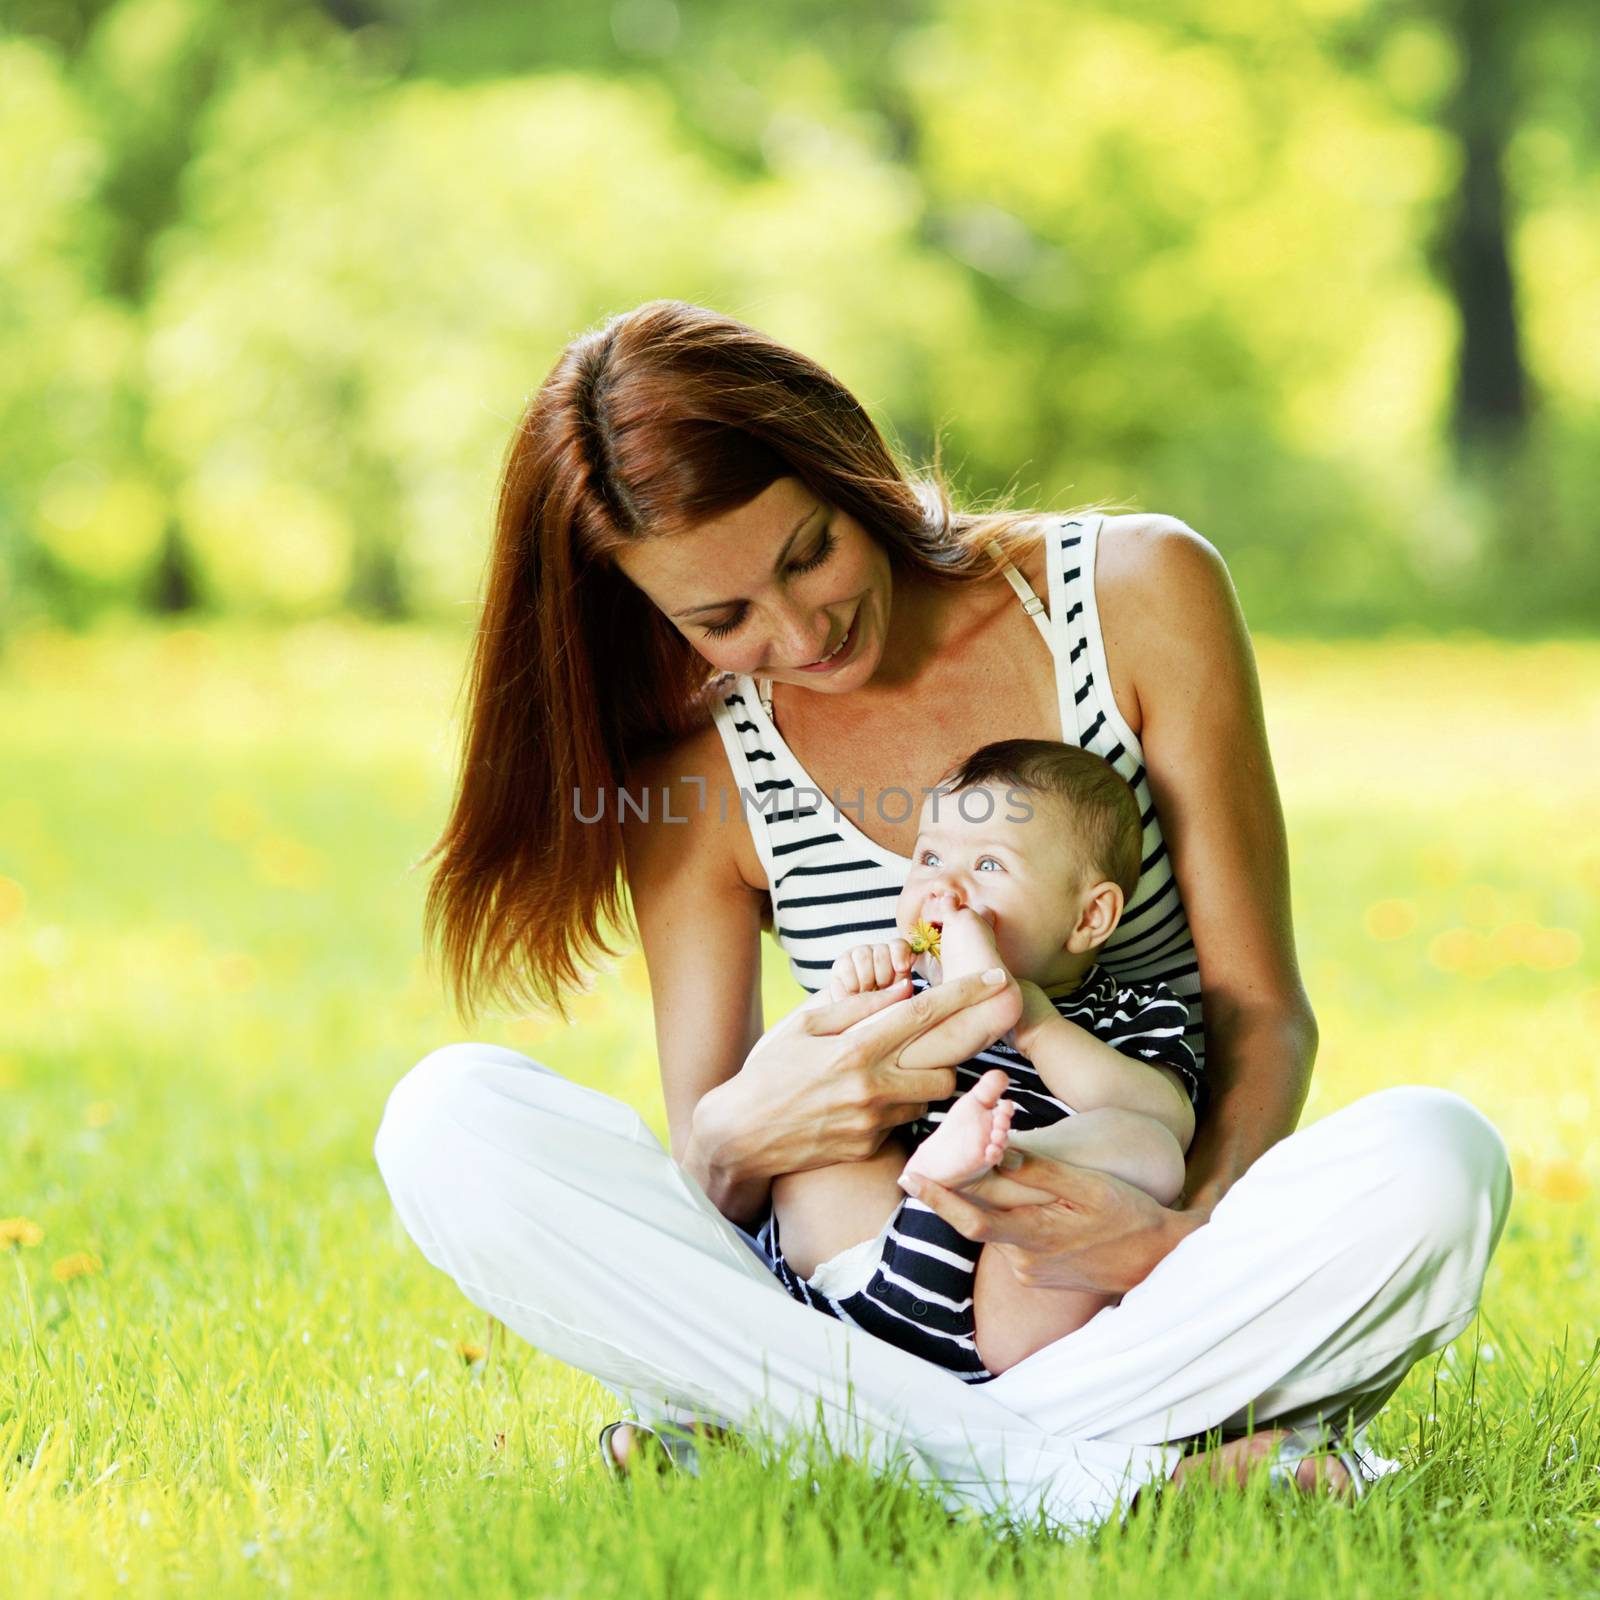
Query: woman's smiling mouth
x=840, y=652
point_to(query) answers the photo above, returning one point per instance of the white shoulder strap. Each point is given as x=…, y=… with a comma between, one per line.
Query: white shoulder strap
x=1031, y=603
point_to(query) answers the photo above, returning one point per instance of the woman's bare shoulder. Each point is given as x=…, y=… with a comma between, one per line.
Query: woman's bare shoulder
x=1167, y=607
x=690, y=782
x=1147, y=551
x=1140, y=553
x=1153, y=570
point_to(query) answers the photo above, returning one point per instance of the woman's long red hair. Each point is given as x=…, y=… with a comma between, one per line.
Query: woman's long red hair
x=666, y=416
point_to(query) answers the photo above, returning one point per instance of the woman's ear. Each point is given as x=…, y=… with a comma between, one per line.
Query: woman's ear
x=1102, y=910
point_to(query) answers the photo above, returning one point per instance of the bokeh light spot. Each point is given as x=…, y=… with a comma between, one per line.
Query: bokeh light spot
x=13, y=902
x=1390, y=919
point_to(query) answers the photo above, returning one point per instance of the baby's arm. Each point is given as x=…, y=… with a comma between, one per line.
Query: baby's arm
x=1089, y=1075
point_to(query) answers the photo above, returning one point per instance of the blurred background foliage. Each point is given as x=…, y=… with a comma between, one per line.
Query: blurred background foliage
x=1324, y=280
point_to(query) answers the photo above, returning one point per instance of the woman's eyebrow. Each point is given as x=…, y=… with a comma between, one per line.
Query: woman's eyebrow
x=783, y=555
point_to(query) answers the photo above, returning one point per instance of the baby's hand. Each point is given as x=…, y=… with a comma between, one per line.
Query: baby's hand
x=868, y=967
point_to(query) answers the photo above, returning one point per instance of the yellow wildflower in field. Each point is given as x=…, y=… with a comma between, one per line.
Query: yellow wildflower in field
x=924, y=938
x=80, y=1264
x=470, y=1352
x=23, y=1231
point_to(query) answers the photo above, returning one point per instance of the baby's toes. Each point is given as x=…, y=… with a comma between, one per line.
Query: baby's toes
x=991, y=1086
x=1000, y=1130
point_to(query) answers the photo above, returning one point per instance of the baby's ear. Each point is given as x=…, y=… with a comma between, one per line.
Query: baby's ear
x=1097, y=921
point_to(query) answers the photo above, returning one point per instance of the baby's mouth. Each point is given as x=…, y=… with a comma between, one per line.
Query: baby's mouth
x=940, y=918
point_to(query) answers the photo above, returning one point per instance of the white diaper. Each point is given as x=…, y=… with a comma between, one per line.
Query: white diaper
x=851, y=1270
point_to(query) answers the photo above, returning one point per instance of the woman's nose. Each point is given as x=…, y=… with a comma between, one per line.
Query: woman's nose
x=805, y=639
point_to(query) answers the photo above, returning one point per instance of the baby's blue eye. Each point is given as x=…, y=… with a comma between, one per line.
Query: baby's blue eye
x=929, y=858
x=982, y=859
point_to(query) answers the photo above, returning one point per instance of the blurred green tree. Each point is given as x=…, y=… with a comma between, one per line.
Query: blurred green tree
x=279, y=274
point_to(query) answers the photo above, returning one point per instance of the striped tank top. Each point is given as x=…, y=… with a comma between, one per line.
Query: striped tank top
x=833, y=887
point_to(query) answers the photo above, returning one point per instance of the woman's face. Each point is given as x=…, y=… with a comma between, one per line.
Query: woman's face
x=785, y=587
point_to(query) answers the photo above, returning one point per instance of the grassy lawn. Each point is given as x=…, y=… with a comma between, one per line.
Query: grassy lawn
x=223, y=1369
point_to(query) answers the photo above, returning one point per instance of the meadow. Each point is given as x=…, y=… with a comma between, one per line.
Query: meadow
x=224, y=1369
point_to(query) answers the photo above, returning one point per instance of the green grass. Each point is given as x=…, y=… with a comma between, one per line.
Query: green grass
x=210, y=975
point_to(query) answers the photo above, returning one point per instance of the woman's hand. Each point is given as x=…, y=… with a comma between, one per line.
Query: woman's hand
x=1089, y=1231
x=828, y=1082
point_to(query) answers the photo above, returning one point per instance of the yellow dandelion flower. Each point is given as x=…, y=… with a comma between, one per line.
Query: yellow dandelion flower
x=80, y=1264
x=470, y=1352
x=924, y=938
x=15, y=1231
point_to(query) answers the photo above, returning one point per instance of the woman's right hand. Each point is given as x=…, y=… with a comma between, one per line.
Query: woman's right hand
x=827, y=1082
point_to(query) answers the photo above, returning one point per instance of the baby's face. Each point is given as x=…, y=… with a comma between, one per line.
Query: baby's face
x=1010, y=858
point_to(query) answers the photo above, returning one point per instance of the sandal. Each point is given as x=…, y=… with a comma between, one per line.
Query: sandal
x=662, y=1451
x=1305, y=1444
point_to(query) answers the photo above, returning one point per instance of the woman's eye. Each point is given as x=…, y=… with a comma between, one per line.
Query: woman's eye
x=821, y=554
x=719, y=628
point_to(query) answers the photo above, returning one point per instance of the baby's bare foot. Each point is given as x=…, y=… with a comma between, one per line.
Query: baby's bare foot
x=972, y=1137
x=966, y=939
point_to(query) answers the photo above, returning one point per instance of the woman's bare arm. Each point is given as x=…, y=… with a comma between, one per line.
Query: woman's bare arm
x=822, y=1086
x=1182, y=665
x=1183, y=675
x=699, y=925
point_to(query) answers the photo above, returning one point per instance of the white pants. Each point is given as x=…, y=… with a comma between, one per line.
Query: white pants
x=1348, y=1251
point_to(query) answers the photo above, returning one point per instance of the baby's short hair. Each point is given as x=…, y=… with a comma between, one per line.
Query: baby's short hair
x=1092, y=793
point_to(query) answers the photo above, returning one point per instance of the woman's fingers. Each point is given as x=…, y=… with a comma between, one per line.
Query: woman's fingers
x=961, y=1017
x=926, y=1010
x=1091, y=1232
x=839, y=1015
x=969, y=1220
x=1075, y=1185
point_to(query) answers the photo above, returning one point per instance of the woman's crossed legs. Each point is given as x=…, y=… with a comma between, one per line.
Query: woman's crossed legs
x=1348, y=1251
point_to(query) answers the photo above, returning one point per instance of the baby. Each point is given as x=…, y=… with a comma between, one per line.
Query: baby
x=1025, y=857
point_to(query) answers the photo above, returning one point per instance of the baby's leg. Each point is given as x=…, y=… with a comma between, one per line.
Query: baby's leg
x=826, y=1210
x=1128, y=1145
x=1014, y=1320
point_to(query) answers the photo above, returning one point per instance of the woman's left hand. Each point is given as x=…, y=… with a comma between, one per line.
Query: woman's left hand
x=1094, y=1233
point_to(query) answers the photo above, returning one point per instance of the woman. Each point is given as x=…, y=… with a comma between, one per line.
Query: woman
x=683, y=501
